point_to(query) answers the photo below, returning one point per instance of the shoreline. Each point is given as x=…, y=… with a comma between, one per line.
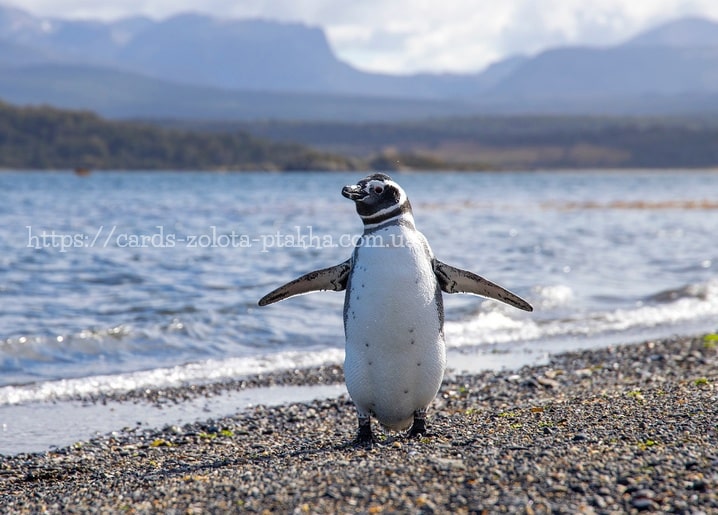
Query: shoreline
x=614, y=430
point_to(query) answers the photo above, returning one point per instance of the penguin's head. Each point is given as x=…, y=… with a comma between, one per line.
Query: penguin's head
x=377, y=198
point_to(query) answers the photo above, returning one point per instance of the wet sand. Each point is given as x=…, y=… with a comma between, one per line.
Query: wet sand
x=624, y=429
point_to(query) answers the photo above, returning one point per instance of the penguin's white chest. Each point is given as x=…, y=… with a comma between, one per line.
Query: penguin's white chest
x=395, y=353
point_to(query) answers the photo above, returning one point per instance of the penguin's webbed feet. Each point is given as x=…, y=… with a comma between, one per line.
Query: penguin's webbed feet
x=418, y=428
x=364, y=438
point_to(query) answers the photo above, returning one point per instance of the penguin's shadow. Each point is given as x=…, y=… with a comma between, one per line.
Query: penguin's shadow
x=384, y=441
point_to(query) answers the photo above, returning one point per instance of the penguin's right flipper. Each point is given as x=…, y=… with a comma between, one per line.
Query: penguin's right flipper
x=332, y=278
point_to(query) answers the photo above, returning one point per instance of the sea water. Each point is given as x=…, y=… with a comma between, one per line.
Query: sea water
x=124, y=280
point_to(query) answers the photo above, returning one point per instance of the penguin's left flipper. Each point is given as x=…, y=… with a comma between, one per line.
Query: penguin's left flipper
x=332, y=278
x=456, y=280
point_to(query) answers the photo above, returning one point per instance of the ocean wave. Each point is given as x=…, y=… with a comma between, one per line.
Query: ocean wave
x=191, y=373
x=555, y=319
x=497, y=324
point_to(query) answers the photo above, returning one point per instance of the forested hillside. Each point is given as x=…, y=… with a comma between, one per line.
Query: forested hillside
x=506, y=142
x=48, y=138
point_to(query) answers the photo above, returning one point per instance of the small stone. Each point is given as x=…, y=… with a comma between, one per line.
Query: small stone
x=641, y=504
x=548, y=383
x=530, y=383
x=642, y=499
x=644, y=492
x=449, y=464
x=577, y=487
x=552, y=373
x=600, y=502
x=625, y=480
x=698, y=485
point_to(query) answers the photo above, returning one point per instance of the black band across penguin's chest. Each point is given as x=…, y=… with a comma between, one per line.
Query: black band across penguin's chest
x=375, y=217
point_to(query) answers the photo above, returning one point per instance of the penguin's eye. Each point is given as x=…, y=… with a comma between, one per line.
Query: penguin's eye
x=378, y=189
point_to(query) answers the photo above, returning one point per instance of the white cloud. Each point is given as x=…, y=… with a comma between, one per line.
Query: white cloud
x=403, y=36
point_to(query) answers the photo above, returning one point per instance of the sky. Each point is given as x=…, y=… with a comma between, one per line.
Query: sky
x=408, y=36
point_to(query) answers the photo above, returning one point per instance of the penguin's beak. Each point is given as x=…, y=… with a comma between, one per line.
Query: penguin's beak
x=354, y=192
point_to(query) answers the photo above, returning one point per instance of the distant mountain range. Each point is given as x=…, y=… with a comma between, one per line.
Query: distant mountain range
x=197, y=67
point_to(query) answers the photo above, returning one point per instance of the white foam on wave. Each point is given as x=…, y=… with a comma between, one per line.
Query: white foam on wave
x=191, y=373
x=553, y=296
x=490, y=327
x=498, y=324
x=679, y=311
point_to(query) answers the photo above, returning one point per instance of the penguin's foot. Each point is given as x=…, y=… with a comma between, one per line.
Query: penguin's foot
x=364, y=437
x=419, y=426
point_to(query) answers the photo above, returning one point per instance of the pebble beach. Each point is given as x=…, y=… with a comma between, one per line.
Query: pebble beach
x=625, y=429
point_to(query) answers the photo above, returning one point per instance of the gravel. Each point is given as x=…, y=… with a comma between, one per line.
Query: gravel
x=627, y=429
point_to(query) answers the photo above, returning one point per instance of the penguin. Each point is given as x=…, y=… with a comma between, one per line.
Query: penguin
x=393, y=310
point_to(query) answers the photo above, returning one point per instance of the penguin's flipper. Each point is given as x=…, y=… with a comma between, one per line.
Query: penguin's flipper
x=332, y=278
x=455, y=280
